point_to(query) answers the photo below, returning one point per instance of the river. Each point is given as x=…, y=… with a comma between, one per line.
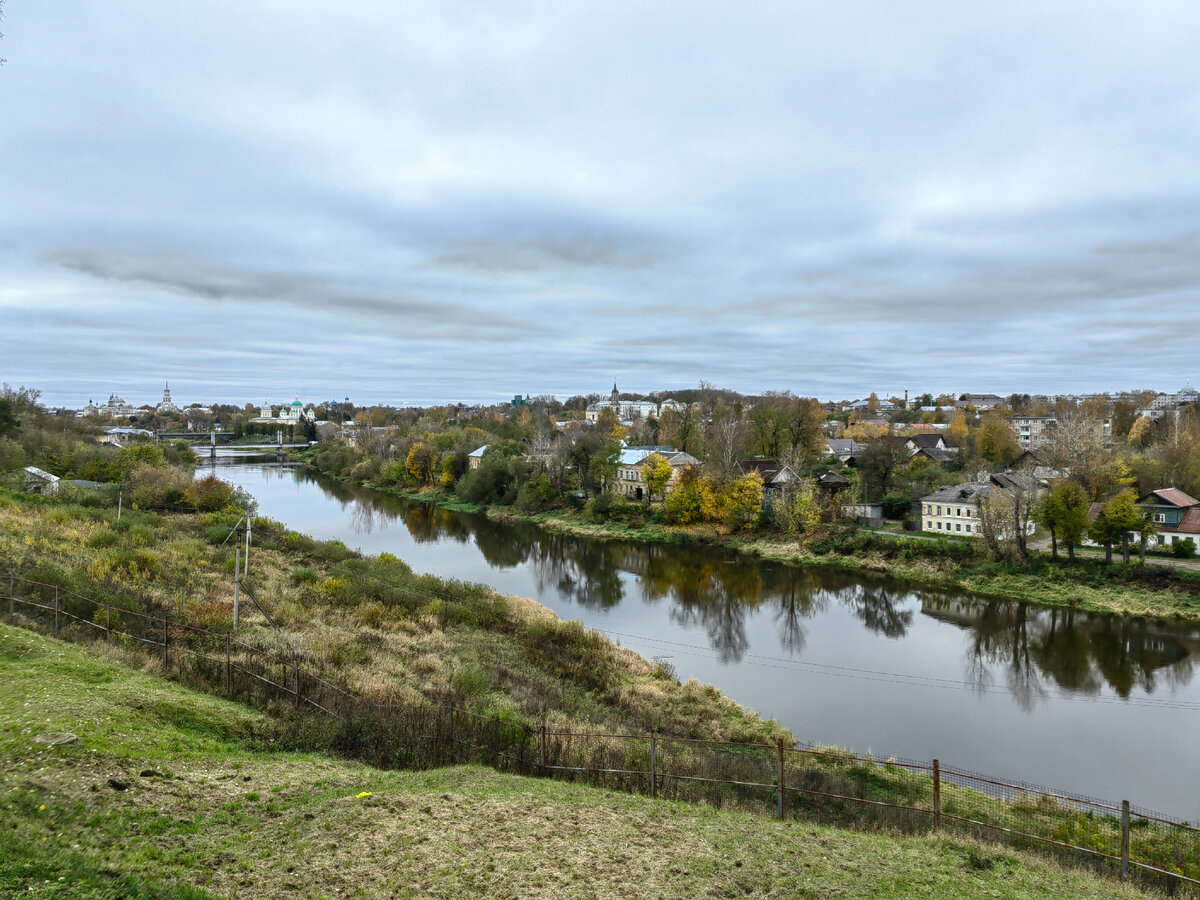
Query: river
x=1087, y=703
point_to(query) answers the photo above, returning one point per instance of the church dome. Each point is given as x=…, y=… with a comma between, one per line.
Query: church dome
x=1187, y=388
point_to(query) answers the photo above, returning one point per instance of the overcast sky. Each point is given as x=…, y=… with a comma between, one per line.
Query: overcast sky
x=448, y=200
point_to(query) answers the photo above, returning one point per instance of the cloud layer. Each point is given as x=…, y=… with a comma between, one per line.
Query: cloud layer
x=466, y=200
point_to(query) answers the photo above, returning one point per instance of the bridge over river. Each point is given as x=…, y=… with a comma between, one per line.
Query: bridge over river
x=225, y=439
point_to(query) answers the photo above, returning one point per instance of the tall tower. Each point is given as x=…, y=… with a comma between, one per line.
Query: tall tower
x=615, y=396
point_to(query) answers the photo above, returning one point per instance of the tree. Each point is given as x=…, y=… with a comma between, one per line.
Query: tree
x=692, y=500
x=957, y=432
x=657, y=472
x=799, y=509
x=879, y=463
x=9, y=422
x=742, y=502
x=1078, y=446
x=1123, y=516
x=1140, y=432
x=997, y=441
x=1063, y=511
x=726, y=441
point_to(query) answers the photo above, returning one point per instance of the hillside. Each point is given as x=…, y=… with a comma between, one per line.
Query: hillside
x=205, y=803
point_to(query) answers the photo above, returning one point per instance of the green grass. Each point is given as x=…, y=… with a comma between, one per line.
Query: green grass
x=228, y=817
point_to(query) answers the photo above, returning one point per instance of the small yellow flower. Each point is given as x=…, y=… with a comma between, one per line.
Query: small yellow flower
x=40, y=808
x=364, y=795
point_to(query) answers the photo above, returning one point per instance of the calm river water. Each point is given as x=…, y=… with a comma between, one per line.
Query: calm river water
x=1086, y=703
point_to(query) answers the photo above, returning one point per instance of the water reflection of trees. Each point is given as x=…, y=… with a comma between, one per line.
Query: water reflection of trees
x=1031, y=650
x=1037, y=649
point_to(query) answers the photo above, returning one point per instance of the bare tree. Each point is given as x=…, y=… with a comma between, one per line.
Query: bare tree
x=727, y=441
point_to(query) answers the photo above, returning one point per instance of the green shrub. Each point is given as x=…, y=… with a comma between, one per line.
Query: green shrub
x=104, y=537
x=1184, y=549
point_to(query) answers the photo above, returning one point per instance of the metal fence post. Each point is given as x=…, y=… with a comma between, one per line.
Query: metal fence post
x=108, y=622
x=56, y=611
x=542, y=755
x=1124, y=839
x=451, y=726
x=653, y=766
x=779, y=741
x=228, y=668
x=297, y=684
x=166, y=661
x=937, y=796
x=12, y=598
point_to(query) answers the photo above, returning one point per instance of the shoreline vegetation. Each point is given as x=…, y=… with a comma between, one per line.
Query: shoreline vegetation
x=1087, y=583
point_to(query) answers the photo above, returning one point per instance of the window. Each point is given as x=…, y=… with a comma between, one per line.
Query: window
x=939, y=512
x=968, y=529
x=929, y=526
x=939, y=526
x=958, y=526
x=1161, y=518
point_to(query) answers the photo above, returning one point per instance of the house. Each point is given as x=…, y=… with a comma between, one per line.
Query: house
x=928, y=440
x=39, y=481
x=119, y=437
x=1176, y=514
x=843, y=448
x=979, y=401
x=832, y=483
x=475, y=457
x=1036, y=431
x=774, y=474
x=955, y=510
x=631, y=480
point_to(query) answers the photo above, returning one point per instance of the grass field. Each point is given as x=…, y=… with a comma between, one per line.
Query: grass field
x=209, y=809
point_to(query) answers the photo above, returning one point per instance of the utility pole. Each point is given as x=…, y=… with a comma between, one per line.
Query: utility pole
x=237, y=580
x=249, y=529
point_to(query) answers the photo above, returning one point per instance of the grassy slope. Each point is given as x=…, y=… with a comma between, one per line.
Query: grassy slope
x=234, y=820
x=370, y=623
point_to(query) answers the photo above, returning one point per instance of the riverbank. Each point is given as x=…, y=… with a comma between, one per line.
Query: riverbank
x=169, y=792
x=368, y=623
x=1085, y=584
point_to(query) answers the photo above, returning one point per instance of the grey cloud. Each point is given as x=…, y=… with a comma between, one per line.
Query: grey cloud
x=216, y=283
x=540, y=254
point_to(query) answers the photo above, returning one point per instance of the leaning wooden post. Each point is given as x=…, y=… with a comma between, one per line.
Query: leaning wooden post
x=653, y=766
x=1124, y=839
x=779, y=743
x=56, y=611
x=542, y=755
x=937, y=796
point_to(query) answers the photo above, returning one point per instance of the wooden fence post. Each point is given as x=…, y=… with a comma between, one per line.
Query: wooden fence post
x=228, y=668
x=779, y=742
x=1124, y=839
x=542, y=755
x=56, y=611
x=451, y=728
x=166, y=661
x=108, y=622
x=297, y=683
x=653, y=766
x=937, y=796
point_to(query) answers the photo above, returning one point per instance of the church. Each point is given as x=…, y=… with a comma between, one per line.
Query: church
x=292, y=414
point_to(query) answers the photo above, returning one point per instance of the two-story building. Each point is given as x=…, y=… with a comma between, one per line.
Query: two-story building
x=631, y=480
x=955, y=510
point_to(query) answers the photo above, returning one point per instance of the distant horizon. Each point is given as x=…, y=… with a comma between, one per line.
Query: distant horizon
x=279, y=398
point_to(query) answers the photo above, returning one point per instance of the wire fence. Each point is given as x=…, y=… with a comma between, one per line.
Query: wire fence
x=813, y=784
